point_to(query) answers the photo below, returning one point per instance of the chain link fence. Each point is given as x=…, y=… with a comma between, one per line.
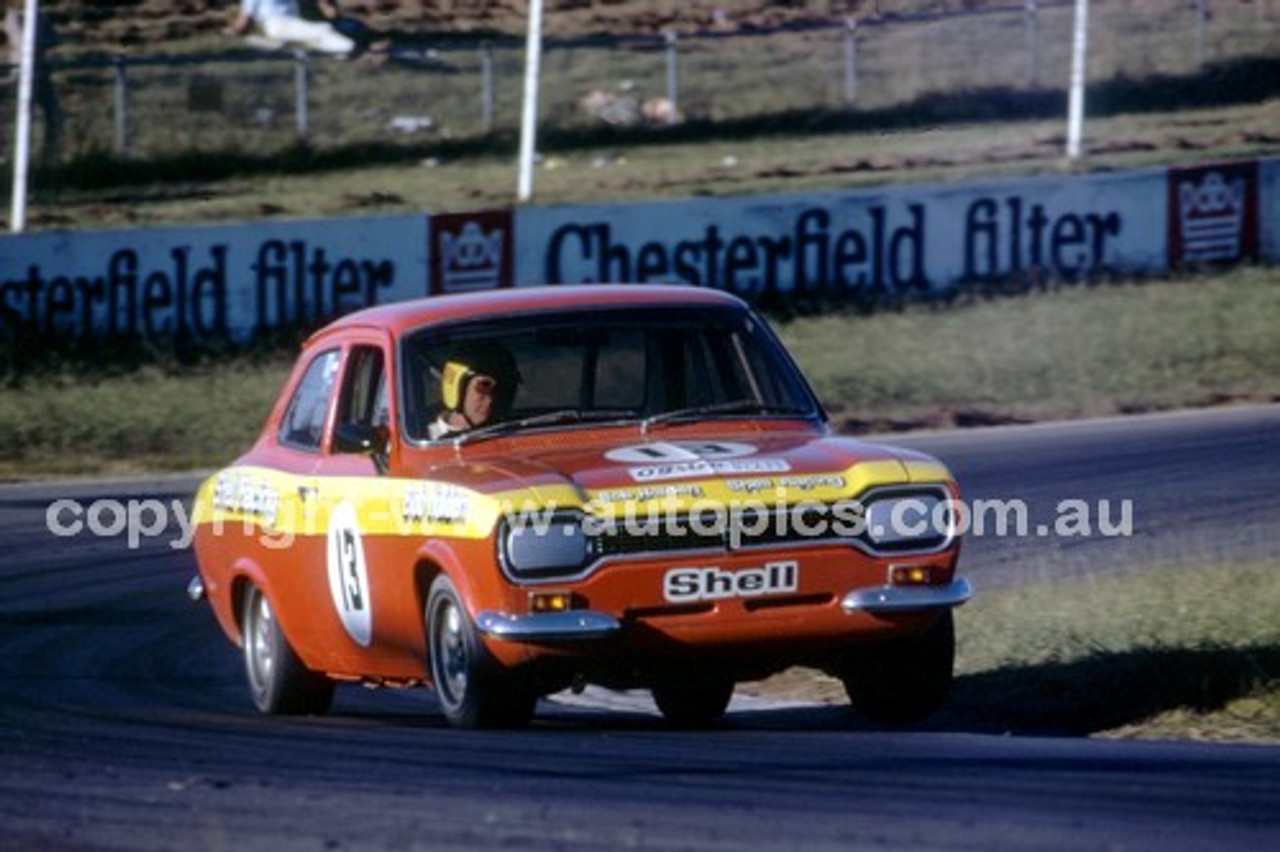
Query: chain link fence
x=255, y=102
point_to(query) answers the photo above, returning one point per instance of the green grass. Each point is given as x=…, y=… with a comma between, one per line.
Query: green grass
x=1186, y=653
x=148, y=419
x=1178, y=653
x=1068, y=352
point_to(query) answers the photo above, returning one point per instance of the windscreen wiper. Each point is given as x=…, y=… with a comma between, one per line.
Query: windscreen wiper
x=736, y=406
x=547, y=418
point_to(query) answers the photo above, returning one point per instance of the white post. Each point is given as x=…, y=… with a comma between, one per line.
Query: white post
x=1202, y=26
x=1031, y=25
x=529, y=119
x=850, y=60
x=1079, y=59
x=673, y=77
x=22, y=138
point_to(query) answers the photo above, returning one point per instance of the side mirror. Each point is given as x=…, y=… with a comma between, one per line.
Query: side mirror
x=360, y=439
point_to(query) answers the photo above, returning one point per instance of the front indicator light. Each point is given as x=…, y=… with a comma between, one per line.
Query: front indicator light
x=910, y=575
x=544, y=602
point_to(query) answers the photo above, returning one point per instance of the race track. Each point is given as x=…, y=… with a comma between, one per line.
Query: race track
x=126, y=725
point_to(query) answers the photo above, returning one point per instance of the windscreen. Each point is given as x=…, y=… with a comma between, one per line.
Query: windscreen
x=603, y=364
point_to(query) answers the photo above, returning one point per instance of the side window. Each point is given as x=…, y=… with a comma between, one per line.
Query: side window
x=303, y=426
x=364, y=389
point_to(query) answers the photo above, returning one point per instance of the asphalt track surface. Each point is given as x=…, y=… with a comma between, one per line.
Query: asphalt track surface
x=124, y=721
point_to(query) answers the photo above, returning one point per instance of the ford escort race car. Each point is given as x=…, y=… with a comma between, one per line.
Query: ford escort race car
x=506, y=494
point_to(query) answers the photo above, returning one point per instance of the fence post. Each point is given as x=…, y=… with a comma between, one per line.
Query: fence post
x=1079, y=74
x=301, y=86
x=850, y=61
x=673, y=77
x=486, y=86
x=1202, y=26
x=121, y=105
x=1032, y=20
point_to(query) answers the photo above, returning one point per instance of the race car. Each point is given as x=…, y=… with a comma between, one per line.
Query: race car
x=507, y=494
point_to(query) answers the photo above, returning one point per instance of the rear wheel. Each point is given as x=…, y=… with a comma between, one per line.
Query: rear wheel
x=278, y=681
x=903, y=681
x=693, y=704
x=474, y=690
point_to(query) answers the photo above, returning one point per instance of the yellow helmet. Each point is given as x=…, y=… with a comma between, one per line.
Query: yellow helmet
x=478, y=358
x=453, y=383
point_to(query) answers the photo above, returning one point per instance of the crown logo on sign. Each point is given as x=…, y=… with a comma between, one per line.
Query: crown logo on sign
x=472, y=259
x=1211, y=214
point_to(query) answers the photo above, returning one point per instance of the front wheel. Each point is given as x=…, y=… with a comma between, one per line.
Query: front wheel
x=278, y=681
x=902, y=681
x=474, y=690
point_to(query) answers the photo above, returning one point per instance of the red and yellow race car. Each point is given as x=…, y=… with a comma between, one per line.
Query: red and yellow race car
x=510, y=493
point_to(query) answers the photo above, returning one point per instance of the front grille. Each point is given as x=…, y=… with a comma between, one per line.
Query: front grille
x=783, y=526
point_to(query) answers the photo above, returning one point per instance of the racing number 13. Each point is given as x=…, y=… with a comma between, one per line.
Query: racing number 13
x=348, y=574
x=352, y=596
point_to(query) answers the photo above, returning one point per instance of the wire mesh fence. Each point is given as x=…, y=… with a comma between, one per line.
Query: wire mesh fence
x=148, y=105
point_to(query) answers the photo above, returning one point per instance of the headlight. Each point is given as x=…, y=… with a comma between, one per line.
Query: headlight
x=537, y=547
x=908, y=522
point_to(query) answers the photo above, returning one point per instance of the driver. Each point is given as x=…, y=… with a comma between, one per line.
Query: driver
x=477, y=385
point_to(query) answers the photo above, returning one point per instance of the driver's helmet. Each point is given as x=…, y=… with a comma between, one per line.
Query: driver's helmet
x=473, y=358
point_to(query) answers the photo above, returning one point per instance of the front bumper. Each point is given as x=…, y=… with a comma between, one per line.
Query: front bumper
x=888, y=599
x=547, y=627
x=585, y=624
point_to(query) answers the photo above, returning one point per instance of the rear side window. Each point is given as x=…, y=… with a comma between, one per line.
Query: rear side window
x=303, y=426
x=364, y=392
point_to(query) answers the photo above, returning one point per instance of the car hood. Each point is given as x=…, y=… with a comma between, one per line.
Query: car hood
x=783, y=465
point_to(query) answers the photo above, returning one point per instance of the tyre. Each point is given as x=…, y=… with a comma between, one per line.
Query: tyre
x=473, y=689
x=278, y=681
x=693, y=704
x=903, y=681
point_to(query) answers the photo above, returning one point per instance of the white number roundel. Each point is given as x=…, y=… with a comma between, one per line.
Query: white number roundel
x=667, y=452
x=348, y=576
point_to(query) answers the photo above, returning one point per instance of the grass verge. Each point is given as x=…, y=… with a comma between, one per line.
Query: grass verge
x=1062, y=353
x=1067, y=352
x=1191, y=654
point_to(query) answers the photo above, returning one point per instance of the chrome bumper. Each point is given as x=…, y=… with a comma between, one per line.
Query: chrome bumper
x=907, y=598
x=547, y=627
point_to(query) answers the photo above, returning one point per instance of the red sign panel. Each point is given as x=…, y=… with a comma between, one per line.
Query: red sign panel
x=471, y=251
x=1213, y=214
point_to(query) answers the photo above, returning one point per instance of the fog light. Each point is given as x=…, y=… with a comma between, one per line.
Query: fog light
x=540, y=602
x=910, y=575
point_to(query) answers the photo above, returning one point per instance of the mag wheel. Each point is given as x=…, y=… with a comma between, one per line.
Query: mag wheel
x=693, y=704
x=903, y=681
x=278, y=681
x=473, y=689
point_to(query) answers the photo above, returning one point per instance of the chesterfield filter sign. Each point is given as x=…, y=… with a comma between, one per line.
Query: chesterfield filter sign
x=231, y=281
x=900, y=241
x=237, y=280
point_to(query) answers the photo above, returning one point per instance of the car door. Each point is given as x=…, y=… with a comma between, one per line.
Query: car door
x=367, y=553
